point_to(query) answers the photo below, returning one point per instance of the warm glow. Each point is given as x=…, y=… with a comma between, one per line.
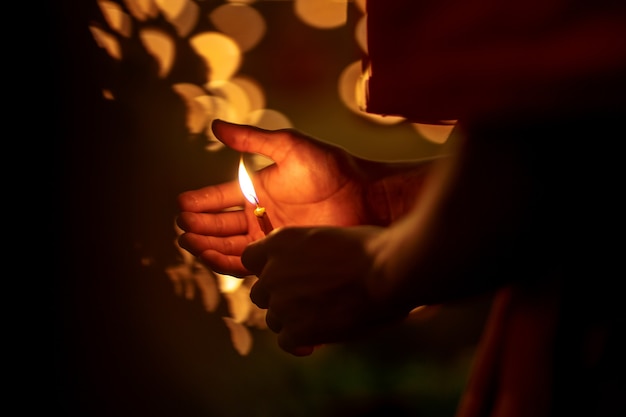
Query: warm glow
x=182, y=14
x=360, y=34
x=217, y=107
x=239, y=304
x=115, y=17
x=322, y=14
x=196, y=112
x=244, y=24
x=107, y=94
x=268, y=119
x=349, y=87
x=221, y=53
x=254, y=91
x=434, y=133
x=197, y=117
x=234, y=95
x=360, y=4
x=245, y=183
x=221, y=34
x=188, y=91
x=142, y=9
x=107, y=41
x=172, y=9
x=239, y=335
x=228, y=283
x=161, y=47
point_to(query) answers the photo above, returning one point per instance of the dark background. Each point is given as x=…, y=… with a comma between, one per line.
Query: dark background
x=124, y=343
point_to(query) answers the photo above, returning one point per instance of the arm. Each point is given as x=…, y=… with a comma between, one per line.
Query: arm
x=470, y=221
x=323, y=285
x=311, y=183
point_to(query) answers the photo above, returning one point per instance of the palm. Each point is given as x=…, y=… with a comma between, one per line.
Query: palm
x=310, y=184
x=298, y=192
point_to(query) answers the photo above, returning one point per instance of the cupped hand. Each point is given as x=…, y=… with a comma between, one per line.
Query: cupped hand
x=310, y=183
x=319, y=285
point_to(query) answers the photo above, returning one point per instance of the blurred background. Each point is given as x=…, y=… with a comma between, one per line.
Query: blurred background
x=140, y=327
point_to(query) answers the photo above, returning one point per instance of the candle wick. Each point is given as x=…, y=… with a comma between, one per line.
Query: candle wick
x=256, y=200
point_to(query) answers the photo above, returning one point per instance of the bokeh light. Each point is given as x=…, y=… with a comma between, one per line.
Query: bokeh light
x=222, y=36
x=322, y=14
x=228, y=283
x=269, y=119
x=161, y=46
x=196, y=114
x=142, y=9
x=182, y=14
x=254, y=91
x=221, y=53
x=349, y=86
x=107, y=41
x=150, y=330
x=244, y=24
x=436, y=133
x=116, y=18
x=235, y=95
x=360, y=33
x=360, y=4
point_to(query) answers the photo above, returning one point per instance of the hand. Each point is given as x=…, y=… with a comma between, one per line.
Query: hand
x=319, y=285
x=311, y=183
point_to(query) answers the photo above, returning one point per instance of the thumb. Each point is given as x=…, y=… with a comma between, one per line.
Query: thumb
x=280, y=240
x=251, y=139
x=254, y=256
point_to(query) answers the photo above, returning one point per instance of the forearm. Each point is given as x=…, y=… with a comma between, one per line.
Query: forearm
x=394, y=188
x=463, y=230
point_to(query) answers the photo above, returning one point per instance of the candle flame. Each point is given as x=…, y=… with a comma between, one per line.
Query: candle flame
x=245, y=183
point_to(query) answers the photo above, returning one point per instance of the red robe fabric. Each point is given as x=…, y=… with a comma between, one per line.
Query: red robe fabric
x=549, y=346
x=452, y=59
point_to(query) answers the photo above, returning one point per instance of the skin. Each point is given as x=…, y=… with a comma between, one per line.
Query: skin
x=337, y=189
x=358, y=243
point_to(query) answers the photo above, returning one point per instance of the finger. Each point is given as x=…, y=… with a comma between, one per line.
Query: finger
x=244, y=138
x=287, y=344
x=223, y=264
x=214, y=198
x=280, y=241
x=196, y=243
x=259, y=295
x=254, y=256
x=272, y=321
x=303, y=350
x=222, y=224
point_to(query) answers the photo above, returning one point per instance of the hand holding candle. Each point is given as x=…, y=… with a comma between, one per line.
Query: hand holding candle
x=310, y=187
x=310, y=183
x=484, y=221
x=247, y=188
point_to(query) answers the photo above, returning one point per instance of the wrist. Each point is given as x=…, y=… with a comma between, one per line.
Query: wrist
x=390, y=197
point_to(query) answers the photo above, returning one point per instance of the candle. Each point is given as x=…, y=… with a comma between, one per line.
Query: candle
x=245, y=183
